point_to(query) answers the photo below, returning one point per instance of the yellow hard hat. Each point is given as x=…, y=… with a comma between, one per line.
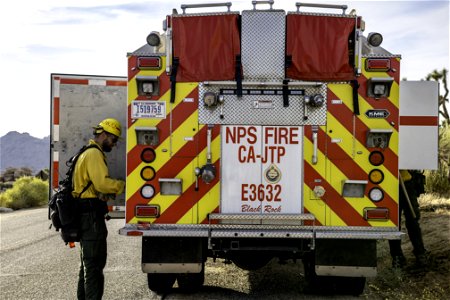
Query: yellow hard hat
x=109, y=125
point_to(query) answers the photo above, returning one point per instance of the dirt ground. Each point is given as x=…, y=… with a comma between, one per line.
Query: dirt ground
x=432, y=282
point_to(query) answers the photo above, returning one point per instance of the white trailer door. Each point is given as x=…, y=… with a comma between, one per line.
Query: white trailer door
x=261, y=169
x=419, y=118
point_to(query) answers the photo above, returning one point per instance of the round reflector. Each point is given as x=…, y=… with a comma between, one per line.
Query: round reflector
x=376, y=158
x=376, y=194
x=147, y=191
x=148, y=173
x=148, y=155
x=376, y=176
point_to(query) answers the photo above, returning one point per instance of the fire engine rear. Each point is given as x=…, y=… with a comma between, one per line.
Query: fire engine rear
x=263, y=134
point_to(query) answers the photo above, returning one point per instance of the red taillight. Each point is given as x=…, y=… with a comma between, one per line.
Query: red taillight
x=378, y=64
x=134, y=233
x=376, y=213
x=376, y=158
x=152, y=63
x=147, y=211
x=148, y=155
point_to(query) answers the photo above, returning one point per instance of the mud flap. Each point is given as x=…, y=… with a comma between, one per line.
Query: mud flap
x=346, y=258
x=172, y=255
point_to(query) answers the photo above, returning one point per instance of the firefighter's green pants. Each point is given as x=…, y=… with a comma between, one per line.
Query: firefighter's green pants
x=93, y=256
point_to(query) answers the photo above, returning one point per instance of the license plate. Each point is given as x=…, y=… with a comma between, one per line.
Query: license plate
x=148, y=109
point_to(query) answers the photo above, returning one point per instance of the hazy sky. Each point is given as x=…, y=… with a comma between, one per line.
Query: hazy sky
x=93, y=37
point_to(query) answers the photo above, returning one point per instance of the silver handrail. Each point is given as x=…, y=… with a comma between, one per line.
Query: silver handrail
x=185, y=6
x=270, y=2
x=343, y=7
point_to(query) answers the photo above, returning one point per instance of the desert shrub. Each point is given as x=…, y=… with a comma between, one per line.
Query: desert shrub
x=26, y=192
x=437, y=181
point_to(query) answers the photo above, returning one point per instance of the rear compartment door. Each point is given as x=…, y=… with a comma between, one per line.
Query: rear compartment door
x=419, y=120
x=261, y=169
x=80, y=102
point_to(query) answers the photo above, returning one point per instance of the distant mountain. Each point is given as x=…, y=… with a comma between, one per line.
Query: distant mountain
x=19, y=150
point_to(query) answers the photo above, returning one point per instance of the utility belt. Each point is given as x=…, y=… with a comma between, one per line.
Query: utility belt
x=87, y=205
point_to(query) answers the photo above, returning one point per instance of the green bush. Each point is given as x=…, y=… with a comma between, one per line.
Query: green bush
x=26, y=192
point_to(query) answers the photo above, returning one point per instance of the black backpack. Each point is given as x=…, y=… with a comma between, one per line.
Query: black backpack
x=63, y=208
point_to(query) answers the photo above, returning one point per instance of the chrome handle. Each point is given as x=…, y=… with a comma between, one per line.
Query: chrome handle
x=185, y=6
x=314, y=156
x=270, y=2
x=343, y=7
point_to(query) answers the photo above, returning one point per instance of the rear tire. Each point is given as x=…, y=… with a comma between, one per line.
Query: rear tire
x=250, y=261
x=191, y=282
x=160, y=283
x=331, y=284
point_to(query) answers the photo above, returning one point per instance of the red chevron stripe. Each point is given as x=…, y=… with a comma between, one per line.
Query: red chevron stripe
x=345, y=116
x=180, y=113
x=394, y=72
x=349, y=168
x=188, y=199
x=215, y=211
x=132, y=67
x=333, y=199
x=171, y=168
x=382, y=103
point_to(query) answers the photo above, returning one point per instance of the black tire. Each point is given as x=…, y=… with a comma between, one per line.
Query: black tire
x=331, y=284
x=191, y=282
x=160, y=283
x=250, y=261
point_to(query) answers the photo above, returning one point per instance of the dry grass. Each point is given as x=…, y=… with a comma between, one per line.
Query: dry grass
x=428, y=283
x=432, y=282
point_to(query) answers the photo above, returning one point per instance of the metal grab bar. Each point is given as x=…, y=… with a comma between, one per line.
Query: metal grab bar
x=343, y=7
x=270, y=2
x=185, y=6
x=314, y=156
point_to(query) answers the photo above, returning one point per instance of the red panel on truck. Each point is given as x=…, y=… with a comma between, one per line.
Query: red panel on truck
x=318, y=46
x=206, y=47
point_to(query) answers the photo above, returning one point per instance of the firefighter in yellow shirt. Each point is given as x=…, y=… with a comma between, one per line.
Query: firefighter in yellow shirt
x=414, y=185
x=91, y=171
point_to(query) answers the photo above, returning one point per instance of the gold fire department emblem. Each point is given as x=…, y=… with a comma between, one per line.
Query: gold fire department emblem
x=272, y=174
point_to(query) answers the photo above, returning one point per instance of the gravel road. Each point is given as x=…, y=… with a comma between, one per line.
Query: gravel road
x=35, y=264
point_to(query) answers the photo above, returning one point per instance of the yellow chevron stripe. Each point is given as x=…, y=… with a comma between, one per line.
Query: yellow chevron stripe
x=206, y=205
x=183, y=90
x=162, y=156
x=394, y=89
x=132, y=84
x=318, y=208
x=335, y=180
x=342, y=92
x=187, y=176
x=390, y=181
x=357, y=203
